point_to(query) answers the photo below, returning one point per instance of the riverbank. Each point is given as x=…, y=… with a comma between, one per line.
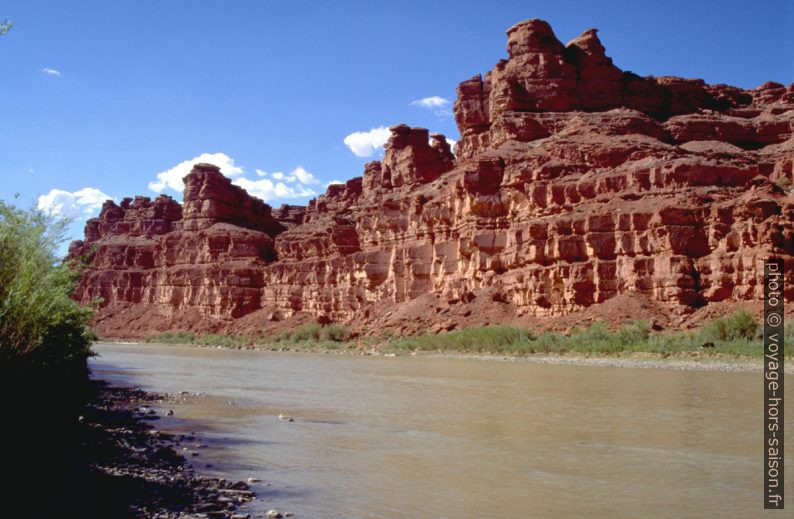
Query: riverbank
x=728, y=343
x=133, y=470
x=687, y=360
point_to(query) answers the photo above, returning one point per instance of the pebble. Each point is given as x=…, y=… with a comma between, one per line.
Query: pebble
x=170, y=412
x=274, y=514
x=254, y=480
x=236, y=492
x=205, y=494
x=285, y=417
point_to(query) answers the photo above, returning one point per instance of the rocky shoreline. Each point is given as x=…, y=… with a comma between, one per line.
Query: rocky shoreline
x=139, y=471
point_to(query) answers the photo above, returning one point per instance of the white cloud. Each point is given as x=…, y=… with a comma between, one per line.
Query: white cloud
x=299, y=175
x=431, y=102
x=304, y=177
x=268, y=186
x=172, y=178
x=268, y=190
x=451, y=142
x=51, y=72
x=70, y=205
x=439, y=105
x=334, y=182
x=364, y=144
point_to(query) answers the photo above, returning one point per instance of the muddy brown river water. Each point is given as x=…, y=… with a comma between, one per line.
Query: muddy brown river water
x=422, y=437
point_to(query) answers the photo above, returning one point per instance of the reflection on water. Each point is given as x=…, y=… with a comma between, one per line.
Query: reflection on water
x=403, y=437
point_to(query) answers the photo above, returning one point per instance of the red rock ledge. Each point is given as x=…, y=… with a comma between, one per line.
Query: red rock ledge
x=577, y=189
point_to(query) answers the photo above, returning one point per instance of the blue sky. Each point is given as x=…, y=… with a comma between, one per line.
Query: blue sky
x=99, y=97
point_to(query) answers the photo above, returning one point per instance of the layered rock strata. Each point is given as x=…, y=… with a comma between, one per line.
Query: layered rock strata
x=171, y=262
x=573, y=182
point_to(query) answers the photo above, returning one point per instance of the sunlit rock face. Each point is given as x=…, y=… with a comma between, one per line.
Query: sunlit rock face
x=159, y=262
x=573, y=182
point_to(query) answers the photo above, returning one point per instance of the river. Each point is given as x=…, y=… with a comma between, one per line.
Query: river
x=424, y=437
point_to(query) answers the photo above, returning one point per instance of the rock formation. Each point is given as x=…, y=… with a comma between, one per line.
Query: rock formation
x=574, y=185
x=159, y=260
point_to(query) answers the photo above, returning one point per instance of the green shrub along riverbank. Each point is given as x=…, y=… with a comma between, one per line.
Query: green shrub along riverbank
x=42, y=329
x=736, y=334
x=44, y=346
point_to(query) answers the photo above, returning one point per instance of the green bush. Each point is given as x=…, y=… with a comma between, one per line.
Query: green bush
x=494, y=339
x=215, y=339
x=306, y=332
x=41, y=326
x=206, y=339
x=44, y=346
x=335, y=333
x=549, y=342
x=634, y=332
x=598, y=331
x=315, y=332
x=739, y=325
x=174, y=338
x=736, y=334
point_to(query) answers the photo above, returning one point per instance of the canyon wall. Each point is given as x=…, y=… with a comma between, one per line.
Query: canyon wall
x=574, y=185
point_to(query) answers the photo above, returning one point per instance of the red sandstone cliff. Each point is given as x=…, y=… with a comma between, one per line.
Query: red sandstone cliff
x=574, y=186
